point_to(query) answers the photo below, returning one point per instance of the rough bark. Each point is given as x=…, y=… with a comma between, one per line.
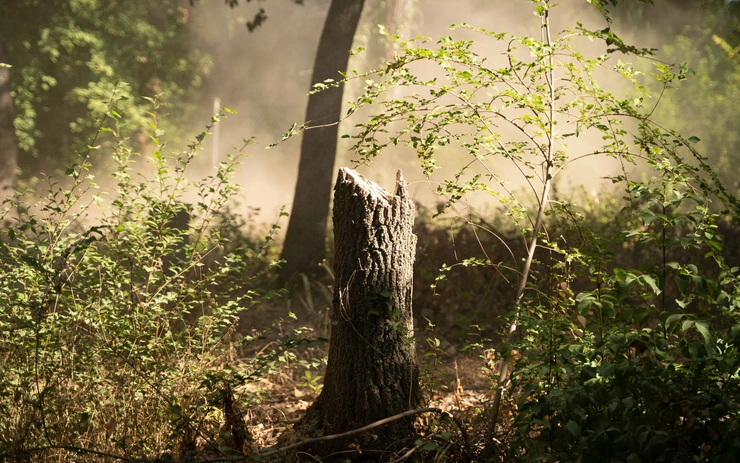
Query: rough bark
x=305, y=240
x=372, y=371
x=8, y=142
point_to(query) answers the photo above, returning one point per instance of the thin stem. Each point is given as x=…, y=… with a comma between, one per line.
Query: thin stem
x=663, y=244
x=505, y=364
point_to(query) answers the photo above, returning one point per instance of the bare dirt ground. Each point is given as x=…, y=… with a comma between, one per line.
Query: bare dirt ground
x=460, y=388
x=456, y=382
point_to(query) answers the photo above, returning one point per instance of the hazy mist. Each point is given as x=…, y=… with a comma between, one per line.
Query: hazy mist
x=265, y=76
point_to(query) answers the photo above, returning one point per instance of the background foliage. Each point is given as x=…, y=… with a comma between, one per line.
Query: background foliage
x=69, y=55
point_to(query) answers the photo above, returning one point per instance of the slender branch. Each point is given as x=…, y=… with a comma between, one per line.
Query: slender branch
x=341, y=435
x=280, y=450
x=352, y=432
x=505, y=364
x=406, y=455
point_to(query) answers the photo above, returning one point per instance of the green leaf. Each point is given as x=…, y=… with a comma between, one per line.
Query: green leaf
x=573, y=428
x=673, y=319
x=652, y=283
x=430, y=446
x=682, y=282
x=628, y=402
x=585, y=300
x=702, y=326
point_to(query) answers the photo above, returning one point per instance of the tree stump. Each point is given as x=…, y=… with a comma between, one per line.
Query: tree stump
x=372, y=371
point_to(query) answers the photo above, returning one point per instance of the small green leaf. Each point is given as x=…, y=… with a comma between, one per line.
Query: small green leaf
x=682, y=282
x=673, y=319
x=573, y=428
x=430, y=446
x=652, y=283
x=702, y=326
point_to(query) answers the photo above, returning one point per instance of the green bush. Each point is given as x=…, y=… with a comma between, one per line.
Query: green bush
x=119, y=311
x=630, y=399
x=623, y=372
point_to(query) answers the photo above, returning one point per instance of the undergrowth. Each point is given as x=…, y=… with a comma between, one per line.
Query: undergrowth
x=119, y=311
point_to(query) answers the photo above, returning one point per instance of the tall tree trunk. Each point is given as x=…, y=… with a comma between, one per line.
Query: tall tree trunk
x=372, y=372
x=398, y=20
x=8, y=142
x=306, y=236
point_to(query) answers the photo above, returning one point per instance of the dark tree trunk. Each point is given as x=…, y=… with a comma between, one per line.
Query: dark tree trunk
x=8, y=142
x=305, y=240
x=372, y=371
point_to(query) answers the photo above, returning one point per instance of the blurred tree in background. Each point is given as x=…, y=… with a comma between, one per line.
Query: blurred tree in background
x=704, y=34
x=68, y=55
x=305, y=241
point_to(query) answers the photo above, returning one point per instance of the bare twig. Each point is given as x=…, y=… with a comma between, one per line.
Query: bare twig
x=287, y=448
x=406, y=455
x=352, y=432
x=347, y=434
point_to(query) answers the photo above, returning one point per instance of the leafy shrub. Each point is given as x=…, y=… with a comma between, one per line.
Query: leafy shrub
x=119, y=312
x=622, y=372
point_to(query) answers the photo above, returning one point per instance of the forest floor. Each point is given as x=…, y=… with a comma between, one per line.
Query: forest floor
x=459, y=387
x=454, y=381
